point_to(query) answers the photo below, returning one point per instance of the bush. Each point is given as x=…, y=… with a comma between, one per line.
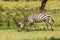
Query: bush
x=11, y=0
x=19, y=10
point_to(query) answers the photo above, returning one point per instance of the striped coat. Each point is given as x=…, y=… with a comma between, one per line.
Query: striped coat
x=37, y=17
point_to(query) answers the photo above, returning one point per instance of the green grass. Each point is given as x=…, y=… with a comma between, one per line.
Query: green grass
x=12, y=34
x=32, y=35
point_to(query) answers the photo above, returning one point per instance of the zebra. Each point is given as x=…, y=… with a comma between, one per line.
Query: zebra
x=37, y=17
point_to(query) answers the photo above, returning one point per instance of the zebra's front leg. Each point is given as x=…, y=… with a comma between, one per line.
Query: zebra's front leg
x=27, y=27
x=28, y=24
x=32, y=26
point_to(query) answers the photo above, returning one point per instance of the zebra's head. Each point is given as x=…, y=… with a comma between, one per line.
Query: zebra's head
x=20, y=26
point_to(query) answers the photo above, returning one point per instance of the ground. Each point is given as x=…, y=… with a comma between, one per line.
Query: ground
x=31, y=35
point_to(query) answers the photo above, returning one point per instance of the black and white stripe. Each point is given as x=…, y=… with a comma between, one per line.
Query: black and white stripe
x=37, y=17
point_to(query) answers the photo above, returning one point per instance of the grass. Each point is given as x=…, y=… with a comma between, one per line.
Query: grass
x=32, y=35
x=11, y=34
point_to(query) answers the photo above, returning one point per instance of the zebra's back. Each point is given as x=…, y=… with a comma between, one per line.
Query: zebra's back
x=38, y=16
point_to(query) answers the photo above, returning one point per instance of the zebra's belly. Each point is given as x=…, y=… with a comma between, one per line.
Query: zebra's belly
x=38, y=20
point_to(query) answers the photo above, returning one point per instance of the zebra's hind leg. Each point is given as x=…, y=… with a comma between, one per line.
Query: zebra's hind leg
x=47, y=24
x=51, y=26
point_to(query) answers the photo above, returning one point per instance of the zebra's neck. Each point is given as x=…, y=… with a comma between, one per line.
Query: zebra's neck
x=23, y=21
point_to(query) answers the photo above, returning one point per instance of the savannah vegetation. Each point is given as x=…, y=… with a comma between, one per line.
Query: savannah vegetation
x=18, y=9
